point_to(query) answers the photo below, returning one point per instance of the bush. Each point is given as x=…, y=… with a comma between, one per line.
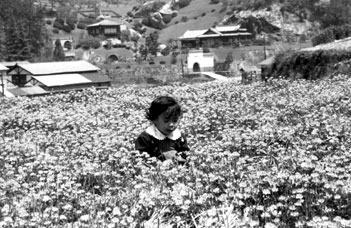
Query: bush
x=215, y=1
x=162, y=62
x=310, y=65
x=89, y=42
x=81, y=26
x=56, y=31
x=67, y=28
x=182, y=3
x=58, y=25
x=332, y=33
x=48, y=22
x=184, y=19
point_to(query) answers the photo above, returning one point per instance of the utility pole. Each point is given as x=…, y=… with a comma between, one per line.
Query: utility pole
x=2, y=83
x=264, y=46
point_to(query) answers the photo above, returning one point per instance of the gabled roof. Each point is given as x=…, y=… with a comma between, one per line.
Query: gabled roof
x=70, y=79
x=27, y=91
x=61, y=79
x=10, y=64
x=107, y=23
x=267, y=62
x=192, y=34
x=228, y=28
x=47, y=68
x=214, y=32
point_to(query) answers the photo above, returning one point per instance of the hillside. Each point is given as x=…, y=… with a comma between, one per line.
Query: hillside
x=171, y=20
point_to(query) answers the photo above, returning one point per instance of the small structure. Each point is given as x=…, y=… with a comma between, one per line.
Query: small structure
x=266, y=66
x=198, y=61
x=220, y=35
x=107, y=28
x=57, y=76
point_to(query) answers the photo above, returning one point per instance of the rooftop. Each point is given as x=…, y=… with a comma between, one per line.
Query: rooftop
x=47, y=68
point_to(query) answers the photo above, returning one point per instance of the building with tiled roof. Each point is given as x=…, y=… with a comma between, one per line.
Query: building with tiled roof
x=109, y=28
x=217, y=36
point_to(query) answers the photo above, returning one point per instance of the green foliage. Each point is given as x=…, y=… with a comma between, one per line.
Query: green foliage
x=184, y=19
x=67, y=28
x=182, y=3
x=151, y=42
x=59, y=54
x=307, y=65
x=23, y=30
x=331, y=34
x=89, y=42
x=58, y=25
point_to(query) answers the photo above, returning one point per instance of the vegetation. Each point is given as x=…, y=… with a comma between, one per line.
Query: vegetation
x=262, y=155
x=24, y=36
x=331, y=34
x=309, y=65
x=59, y=54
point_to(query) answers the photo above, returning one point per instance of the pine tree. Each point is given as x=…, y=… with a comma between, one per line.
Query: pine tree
x=23, y=29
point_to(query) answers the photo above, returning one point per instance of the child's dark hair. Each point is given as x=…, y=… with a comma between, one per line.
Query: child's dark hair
x=163, y=104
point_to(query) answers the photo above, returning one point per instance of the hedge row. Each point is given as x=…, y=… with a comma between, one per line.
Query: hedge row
x=331, y=34
x=310, y=65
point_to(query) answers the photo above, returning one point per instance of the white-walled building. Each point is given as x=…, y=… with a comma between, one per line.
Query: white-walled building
x=198, y=61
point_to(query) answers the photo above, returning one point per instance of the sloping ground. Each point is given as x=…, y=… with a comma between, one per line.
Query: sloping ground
x=343, y=44
x=200, y=15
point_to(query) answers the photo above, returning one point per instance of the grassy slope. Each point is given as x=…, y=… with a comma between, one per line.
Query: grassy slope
x=195, y=19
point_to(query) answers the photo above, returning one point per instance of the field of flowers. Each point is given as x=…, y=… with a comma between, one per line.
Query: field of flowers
x=263, y=155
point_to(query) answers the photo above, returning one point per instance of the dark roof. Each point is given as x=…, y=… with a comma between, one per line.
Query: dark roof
x=27, y=91
x=96, y=77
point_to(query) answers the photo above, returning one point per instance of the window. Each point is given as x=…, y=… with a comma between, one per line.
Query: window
x=110, y=31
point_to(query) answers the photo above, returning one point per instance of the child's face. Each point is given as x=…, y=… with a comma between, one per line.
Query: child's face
x=166, y=124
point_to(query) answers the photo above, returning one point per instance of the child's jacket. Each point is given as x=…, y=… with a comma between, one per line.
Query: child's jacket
x=155, y=143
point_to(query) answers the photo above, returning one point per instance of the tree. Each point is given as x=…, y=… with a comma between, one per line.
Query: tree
x=23, y=29
x=59, y=54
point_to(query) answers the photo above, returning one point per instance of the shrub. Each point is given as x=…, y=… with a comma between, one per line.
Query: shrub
x=184, y=19
x=48, y=22
x=332, y=33
x=81, y=26
x=215, y=1
x=55, y=30
x=58, y=25
x=162, y=62
x=67, y=28
x=89, y=42
x=182, y=3
x=203, y=14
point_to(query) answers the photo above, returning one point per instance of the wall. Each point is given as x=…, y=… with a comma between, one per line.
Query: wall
x=205, y=60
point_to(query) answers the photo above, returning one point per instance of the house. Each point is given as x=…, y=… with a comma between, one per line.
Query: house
x=57, y=76
x=107, y=28
x=212, y=37
x=198, y=61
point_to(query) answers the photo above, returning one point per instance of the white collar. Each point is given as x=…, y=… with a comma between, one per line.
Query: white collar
x=153, y=131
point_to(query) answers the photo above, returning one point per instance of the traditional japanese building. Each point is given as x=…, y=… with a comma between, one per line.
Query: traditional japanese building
x=107, y=28
x=212, y=37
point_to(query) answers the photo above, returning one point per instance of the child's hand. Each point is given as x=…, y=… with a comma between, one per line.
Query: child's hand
x=172, y=154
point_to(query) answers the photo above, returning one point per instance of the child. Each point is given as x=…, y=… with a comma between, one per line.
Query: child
x=162, y=139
